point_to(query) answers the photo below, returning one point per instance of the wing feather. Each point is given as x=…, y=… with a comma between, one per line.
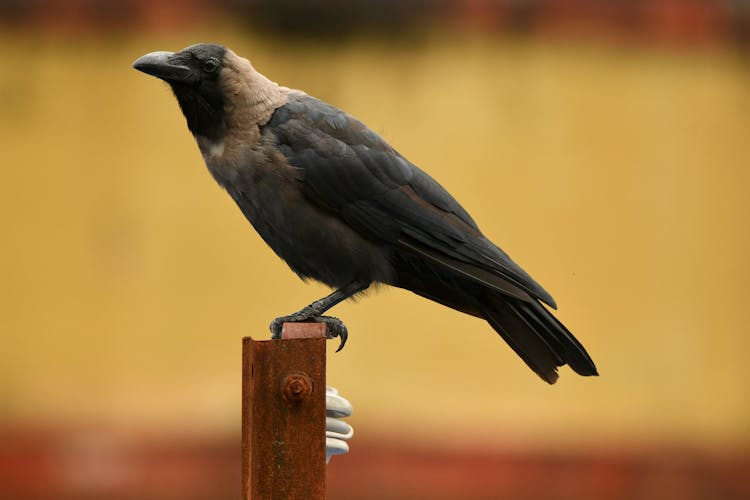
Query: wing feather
x=348, y=169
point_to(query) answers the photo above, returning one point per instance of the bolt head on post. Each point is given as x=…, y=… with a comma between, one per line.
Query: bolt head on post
x=296, y=387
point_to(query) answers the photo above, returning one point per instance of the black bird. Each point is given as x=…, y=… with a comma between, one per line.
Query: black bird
x=341, y=206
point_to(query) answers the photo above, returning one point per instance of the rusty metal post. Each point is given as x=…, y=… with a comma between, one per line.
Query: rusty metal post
x=283, y=414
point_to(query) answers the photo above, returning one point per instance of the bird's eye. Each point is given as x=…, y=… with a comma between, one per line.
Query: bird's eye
x=210, y=65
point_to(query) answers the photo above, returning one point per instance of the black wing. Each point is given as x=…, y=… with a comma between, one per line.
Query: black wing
x=351, y=171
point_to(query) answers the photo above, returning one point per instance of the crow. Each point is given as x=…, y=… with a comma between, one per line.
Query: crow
x=341, y=206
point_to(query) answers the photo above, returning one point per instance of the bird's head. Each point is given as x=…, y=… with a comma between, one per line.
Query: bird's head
x=194, y=74
x=208, y=81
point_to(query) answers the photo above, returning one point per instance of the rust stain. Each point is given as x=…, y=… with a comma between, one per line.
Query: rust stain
x=283, y=417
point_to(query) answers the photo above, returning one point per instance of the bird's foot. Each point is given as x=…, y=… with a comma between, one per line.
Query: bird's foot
x=334, y=326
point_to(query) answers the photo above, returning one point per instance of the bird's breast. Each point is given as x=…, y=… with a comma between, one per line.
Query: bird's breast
x=312, y=241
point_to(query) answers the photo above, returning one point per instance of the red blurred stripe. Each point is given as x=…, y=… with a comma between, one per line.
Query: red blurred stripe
x=91, y=464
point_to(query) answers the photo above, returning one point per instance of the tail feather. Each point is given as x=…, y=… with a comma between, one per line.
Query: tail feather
x=570, y=349
x=524, y=340
x=537, y=337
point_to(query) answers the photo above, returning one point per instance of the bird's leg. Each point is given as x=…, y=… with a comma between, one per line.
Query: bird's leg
x=313, y=312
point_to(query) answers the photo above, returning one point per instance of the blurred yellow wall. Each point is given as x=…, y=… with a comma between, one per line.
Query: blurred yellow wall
x=616, y=176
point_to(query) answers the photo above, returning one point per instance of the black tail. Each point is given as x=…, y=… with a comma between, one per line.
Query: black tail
x=537, y=336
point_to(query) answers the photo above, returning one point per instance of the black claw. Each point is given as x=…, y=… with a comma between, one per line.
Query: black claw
x=335, y=328
x=342, y=334
x=343, y=342
x=276, y=327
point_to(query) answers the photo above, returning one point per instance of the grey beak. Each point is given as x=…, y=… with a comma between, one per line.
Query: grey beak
x=162, y=65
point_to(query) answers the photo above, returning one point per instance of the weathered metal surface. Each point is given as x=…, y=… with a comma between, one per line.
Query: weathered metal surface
x=283, y=416
x=303, y=331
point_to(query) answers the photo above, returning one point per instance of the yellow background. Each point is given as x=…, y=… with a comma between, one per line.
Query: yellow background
x=618, y=177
